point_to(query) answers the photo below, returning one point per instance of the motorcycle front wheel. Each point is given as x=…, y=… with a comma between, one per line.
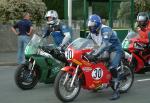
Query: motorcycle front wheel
x=63, y=90
x=25, y=78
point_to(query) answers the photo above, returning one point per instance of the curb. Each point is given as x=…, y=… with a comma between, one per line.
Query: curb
x=8, y=64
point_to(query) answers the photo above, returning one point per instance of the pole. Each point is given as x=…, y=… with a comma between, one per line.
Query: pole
x=90, y=8
x=132, y=14
x=85, y=16
x=110, y=14
x=65, y=9
x=70, y=13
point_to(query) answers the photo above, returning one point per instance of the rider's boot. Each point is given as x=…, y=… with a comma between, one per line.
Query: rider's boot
x=115, y=82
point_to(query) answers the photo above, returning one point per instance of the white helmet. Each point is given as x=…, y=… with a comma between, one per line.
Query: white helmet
x=54, y=15
x=142, y=19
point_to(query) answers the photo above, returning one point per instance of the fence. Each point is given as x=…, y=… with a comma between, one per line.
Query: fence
x=8, y=40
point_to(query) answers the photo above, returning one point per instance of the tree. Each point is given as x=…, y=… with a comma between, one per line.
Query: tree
x=14, y=9
x=139, y=6
x=57, y=5
x=124, y=11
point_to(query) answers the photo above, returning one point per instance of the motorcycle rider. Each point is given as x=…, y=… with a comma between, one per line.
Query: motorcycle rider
x=143, y=27
x=107, y=40
x=59, y=31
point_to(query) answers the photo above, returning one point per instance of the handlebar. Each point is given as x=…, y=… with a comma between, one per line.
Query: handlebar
x=140, y=46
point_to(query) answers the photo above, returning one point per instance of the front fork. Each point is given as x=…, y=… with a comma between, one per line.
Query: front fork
x=74, y=77
x=31, y=66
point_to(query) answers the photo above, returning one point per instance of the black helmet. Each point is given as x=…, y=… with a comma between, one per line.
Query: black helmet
x=142, y=19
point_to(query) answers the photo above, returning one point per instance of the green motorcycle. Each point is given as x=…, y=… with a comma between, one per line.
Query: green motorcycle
x=42, y=64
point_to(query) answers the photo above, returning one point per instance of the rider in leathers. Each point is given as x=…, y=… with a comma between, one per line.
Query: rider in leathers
x=107, y=40
x=60, y=32
x=143, y=27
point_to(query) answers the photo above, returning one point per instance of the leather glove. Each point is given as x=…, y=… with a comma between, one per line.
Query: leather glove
x=91, y=57
x=142, y=45
x=55, y=52
x=60, y=48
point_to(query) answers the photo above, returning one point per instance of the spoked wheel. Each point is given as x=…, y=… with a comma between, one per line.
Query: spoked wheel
x=25, y=78
x=63, y=89
x=126, y=77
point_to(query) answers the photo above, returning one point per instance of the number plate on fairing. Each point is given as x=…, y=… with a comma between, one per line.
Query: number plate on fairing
x=97, y=73
x=69, y=54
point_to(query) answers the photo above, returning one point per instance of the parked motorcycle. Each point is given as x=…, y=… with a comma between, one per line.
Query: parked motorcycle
x=91, y=75
x=42, y=64
x=137, y=53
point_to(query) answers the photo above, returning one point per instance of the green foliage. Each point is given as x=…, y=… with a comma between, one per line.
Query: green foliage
x=57, y=5
x=14, y=9
x=142, y=5
x=77, y=10
x=139, y=5
x=124, y=11
x=100, y=8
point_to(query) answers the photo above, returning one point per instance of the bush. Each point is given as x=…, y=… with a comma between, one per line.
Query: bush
x=14, y=9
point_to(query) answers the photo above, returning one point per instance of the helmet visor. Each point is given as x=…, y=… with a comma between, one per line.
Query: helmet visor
x=141, y=18
x=142, y=23
x=91, y=24
x=92, y=27
x=50, y=18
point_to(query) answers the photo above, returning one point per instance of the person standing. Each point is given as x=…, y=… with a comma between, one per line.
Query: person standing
x=24, y=32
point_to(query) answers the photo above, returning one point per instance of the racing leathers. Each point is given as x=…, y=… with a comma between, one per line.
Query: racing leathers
x=107, y=40
x=60, y=32
x=144, y=34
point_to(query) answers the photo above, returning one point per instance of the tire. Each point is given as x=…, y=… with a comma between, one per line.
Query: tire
x=127, y=76
x=74, y=90
x=22, y=80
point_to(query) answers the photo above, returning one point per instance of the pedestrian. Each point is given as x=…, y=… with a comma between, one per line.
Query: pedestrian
x=107, y=40
x=23, y=29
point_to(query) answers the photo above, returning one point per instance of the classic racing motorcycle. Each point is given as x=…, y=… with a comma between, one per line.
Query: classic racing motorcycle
x=43, y=62
x=137, y=53
x=91, y=75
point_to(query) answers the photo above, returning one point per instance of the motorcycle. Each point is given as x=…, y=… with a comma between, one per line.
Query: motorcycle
x=137, y=53
x=43, y=62
x=90, y=75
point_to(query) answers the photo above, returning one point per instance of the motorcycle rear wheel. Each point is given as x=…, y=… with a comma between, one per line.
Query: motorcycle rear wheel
x=63, y=91
x=127, y=78
x=22, y=78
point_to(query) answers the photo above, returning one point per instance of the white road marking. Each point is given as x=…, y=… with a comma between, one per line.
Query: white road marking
x=142, y=80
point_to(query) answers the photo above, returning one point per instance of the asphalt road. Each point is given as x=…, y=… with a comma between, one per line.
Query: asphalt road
x=44, y=93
